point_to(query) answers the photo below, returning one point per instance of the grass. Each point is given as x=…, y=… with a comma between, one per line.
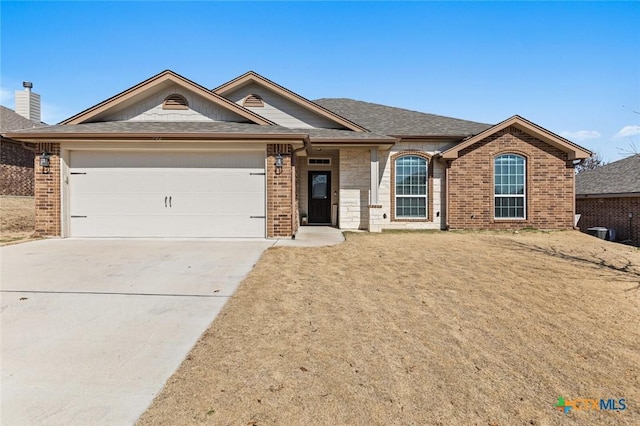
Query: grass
x=16, y=219
x=420, y=328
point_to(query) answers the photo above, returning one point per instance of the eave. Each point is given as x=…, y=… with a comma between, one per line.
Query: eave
x=574, y=151
x=166, y=76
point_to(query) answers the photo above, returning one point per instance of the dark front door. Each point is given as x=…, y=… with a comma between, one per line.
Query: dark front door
x=319, y=197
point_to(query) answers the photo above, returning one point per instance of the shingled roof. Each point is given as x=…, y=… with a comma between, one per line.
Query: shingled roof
x=11, y=120
x=398, y=121
x=619, y=177
x=193, y=128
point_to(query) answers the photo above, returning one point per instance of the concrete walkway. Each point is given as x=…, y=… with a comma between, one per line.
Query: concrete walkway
x=313, y=236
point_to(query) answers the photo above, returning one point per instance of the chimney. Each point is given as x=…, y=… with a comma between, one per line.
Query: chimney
x=28, y=103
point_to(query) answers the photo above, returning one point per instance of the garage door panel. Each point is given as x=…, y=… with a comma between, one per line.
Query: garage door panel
x=112, y=204
x=218, y=181
x=117, y=226
x=121, y=194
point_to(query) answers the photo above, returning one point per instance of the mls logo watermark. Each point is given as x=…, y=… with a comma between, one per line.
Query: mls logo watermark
x=590, y=404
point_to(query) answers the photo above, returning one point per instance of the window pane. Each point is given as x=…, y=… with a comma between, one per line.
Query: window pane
x=509, y=186
x=411, y=179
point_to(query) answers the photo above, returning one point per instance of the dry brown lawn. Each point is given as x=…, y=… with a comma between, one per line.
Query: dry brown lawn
x=420, y=328
x=16, y=218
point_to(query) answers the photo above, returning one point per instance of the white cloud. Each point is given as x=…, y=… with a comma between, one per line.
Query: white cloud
x=628, y=131
x=581, y=135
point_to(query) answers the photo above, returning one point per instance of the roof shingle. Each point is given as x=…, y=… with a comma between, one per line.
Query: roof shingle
x=393, y=121
x=619, y=177
x=195, y=127
x=11, y=120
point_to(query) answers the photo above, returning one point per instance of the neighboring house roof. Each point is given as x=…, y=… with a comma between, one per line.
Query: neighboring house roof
x=156, y=82
x=400, y=122
x=254, y=77
x=574, y=151
x=11, y=120
x=619, y=177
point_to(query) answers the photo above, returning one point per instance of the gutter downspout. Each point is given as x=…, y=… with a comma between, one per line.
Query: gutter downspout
x=447, y=164
x=575, y=163
x=294, y=201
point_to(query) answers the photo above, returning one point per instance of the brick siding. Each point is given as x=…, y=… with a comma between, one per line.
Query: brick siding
x=549, y=184
x=280, y=203
x=16, y=169
x=47, y=192
x=612, y=213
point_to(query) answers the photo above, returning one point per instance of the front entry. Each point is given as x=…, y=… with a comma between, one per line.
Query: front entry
x=319, y=197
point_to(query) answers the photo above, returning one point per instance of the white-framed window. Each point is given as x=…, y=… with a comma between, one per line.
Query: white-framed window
x=510, y=199
x=411, y=187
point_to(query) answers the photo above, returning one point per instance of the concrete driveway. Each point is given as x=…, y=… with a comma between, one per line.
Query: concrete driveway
x=92, y=329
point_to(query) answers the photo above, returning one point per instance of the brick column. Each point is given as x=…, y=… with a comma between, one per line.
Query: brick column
x=47, y=192
x=279, y=193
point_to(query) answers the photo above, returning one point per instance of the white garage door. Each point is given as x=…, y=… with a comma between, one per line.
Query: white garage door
x=167, y=194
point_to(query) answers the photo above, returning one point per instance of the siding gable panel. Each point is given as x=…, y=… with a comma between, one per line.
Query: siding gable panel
x=150, y=109
x=280, y=110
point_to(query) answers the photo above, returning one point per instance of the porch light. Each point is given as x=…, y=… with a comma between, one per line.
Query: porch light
x=45, y=161
x=279, y=162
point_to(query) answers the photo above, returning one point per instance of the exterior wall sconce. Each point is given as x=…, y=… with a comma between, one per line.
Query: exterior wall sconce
x=279, y=163
x=45, y=161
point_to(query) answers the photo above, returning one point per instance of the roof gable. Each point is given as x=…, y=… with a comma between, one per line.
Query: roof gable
x=619, y=177
x=252, y=78
x=110, y=108
x=575, y=151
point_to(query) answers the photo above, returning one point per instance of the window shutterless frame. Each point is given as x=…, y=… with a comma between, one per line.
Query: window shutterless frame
x=411, y=187
x=510, y=187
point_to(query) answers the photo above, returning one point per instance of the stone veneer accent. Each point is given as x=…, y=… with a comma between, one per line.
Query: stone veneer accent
x=612, y=213
x=550, y=180
x=16, y=169
x=47, y=192
x=354, y=171
x=436, y=170
x=280, y=195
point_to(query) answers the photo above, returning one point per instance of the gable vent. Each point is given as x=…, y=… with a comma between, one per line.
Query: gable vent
x=175, y=101
x=253, y=101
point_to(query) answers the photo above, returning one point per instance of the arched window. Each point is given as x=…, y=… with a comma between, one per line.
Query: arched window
x=510, y=197
x=175, y=101
x=411, y=187
x=253, y=101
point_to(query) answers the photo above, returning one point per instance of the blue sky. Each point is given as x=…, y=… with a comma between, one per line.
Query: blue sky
x=572, y=67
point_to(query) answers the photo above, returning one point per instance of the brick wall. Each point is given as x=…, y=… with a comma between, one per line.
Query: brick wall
x=549, y=184
x=280, y=215
x=47, y=192
x=611, y=213
x=16, y=169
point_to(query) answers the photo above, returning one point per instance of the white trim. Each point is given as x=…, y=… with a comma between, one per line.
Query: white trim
x=524, y=187
x=424, y=196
